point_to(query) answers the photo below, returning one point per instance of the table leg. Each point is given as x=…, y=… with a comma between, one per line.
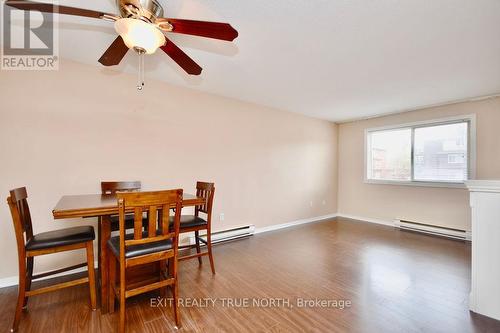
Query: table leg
x=98, y=247
x=105, y=228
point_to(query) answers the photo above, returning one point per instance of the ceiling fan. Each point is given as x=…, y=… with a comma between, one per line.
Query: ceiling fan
x=141, y=27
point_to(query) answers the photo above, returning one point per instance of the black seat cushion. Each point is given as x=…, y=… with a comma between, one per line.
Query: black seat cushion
x=138, y=250
x=69, y=236
x=129, y=222
x=189, y=221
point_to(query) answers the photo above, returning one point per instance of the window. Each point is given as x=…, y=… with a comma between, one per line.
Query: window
x=456, y=158
x=436, y=153
x=391, y=155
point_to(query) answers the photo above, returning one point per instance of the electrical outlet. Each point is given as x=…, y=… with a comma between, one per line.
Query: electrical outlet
x=221, y=217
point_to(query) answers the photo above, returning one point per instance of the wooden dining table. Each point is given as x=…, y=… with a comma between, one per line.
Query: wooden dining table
x=102, y=207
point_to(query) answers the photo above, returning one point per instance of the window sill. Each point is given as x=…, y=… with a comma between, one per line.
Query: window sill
x=418, y=184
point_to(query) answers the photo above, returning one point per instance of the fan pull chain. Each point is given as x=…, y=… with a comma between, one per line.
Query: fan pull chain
x=140, y=83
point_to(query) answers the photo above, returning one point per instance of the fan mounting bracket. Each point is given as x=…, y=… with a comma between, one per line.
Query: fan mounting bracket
x=146, y=10
x=164, y=25
x=109, y=17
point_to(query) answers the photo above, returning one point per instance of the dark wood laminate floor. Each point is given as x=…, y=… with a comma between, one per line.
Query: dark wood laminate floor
x=397, y=282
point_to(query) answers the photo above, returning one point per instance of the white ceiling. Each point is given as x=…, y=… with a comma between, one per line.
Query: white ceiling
x=331, y=59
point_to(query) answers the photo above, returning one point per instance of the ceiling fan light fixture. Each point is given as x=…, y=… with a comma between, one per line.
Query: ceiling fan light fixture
x=141, y=35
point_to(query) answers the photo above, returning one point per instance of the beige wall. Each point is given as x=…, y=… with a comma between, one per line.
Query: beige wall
x=63, y=132
x=438, y=206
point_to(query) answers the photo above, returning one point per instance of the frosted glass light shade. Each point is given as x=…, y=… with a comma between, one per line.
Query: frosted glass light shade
x=137, y=33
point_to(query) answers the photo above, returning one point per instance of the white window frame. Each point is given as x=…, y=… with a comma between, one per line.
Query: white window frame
x=471, y=119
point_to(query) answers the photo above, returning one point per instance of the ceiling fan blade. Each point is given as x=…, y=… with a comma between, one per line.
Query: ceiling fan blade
x=115, y=53
x=181, y=58
x=50, y=8
x=223, y=31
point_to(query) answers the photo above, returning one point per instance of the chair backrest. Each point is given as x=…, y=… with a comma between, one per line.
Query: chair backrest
x=207, y=191
x=113, y=187
x=21, y=216
x=157, y=205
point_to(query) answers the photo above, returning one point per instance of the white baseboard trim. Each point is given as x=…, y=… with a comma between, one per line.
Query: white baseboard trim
x=294, y=223
x=367, y=219
x=394, y=224
x=14, y=280
x=9, y=281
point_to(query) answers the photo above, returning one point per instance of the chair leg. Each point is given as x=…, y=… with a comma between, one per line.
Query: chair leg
x=209, y=248
x=170, y=273
x=198, y=248
x=170, y=267
x=175, y=293
x=163, y=268
x=122, y=298
x=29, y=278
x=21, y=294
x=112, y=283
x=91, y=272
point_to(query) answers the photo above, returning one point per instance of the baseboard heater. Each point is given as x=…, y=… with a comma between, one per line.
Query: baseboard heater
x=230, y=234
x=433, y=230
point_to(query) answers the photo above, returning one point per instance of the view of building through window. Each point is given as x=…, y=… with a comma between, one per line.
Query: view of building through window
x=440, y=153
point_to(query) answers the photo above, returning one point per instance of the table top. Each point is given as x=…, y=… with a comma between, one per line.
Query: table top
x=92, y=205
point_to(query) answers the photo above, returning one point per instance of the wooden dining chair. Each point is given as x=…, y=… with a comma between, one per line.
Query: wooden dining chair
x=195, y=223
x=158, y=244
x=29, y=246
x=113, y=187
x=120, y=186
